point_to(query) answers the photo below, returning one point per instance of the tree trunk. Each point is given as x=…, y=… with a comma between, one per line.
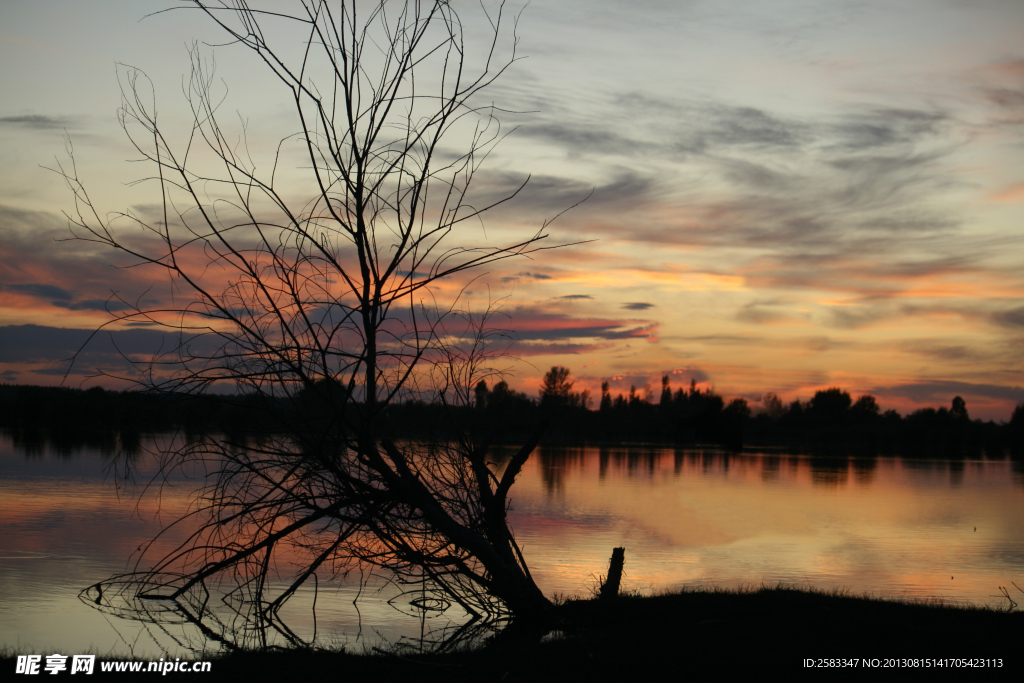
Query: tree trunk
x=610, y=589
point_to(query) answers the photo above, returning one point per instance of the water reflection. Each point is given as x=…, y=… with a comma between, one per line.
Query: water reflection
x=883, y=525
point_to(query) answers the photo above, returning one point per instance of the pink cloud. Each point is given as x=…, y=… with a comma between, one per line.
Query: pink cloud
x=1013, y=193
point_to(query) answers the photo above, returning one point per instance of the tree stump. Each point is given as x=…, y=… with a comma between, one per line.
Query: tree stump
x=610, y=588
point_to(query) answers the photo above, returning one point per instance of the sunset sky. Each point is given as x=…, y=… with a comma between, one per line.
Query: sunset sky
x=787, y=196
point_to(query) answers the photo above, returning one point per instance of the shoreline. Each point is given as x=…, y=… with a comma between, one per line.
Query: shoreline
x=703, y=632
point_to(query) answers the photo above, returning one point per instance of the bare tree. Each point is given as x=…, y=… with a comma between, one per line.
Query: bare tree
x=325, y=305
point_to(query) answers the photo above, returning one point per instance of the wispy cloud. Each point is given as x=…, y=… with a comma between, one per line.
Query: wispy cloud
x=1013, y=193
x=940, y=393
x=49, y=350
x=764, y=312
x=940, y=350
x=854, y=317
x=1012, y=318
x=41, y=291
x=528, y=349
x=109, y=305
x=574, y=330
x=37, y=121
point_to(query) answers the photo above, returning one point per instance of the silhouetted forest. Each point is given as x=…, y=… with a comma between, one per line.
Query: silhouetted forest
x=831, y=421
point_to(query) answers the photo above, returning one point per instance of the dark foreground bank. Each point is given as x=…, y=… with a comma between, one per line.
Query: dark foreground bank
x=698, y=635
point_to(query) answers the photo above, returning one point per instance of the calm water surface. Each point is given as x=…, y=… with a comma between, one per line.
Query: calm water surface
x=886, y=526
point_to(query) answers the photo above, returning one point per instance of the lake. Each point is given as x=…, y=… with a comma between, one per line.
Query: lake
x=918, y=529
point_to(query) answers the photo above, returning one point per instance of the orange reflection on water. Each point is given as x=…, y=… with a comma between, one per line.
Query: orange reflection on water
x=885, y=526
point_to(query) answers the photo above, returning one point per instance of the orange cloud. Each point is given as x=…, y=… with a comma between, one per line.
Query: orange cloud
x=1013, y=193
x=670, y=277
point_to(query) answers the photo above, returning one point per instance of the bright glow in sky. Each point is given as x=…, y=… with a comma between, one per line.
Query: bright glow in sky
x=787, y=196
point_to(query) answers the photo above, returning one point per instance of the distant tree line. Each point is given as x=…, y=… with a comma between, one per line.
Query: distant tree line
x=832, y=419
x=63, y=408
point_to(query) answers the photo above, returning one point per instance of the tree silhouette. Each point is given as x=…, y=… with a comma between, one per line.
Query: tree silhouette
x=865, y=409
x=556, y=388
x=666, y=393
x=959, y=409
x=481, y=394
x=773, y=406
x=324, y=306
x=831, y=403
x=557, y=399
x=606, y=397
